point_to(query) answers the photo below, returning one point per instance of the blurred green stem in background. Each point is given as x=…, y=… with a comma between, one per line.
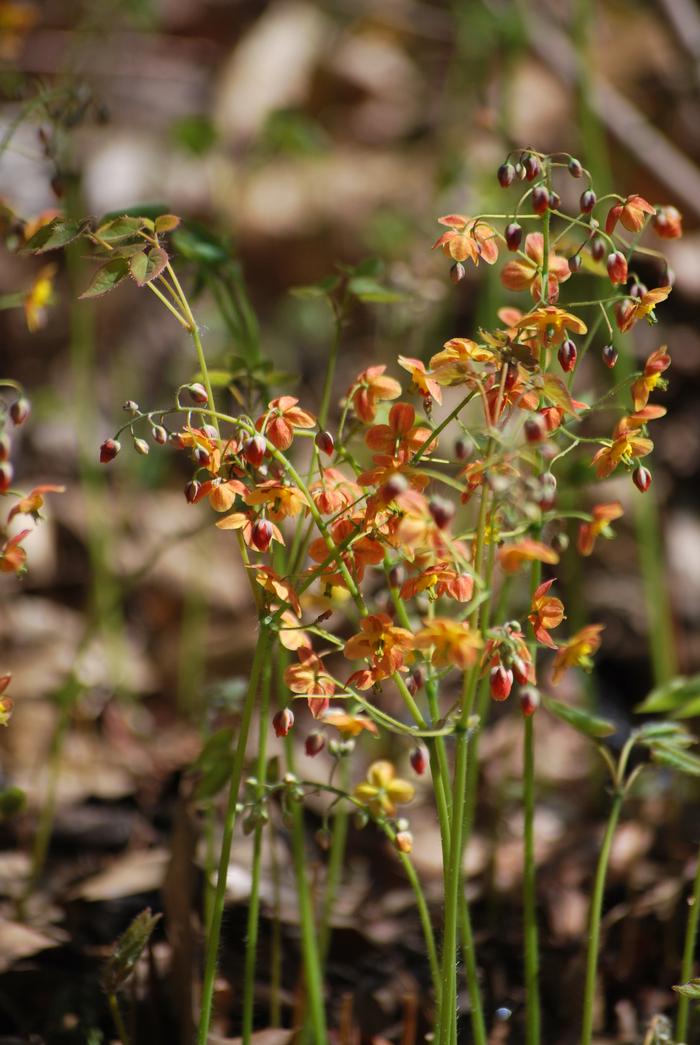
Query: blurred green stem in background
x=691, y=937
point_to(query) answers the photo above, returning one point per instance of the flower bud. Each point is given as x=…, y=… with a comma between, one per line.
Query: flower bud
x=641, y=477
x=668, y=223
x=202, y=456
x=575, y=263
x=442, y=511
x=617, y=267
x=397, y=575
x=638, y=290
x=519, y=670
x=283, y=722
x=396, y=484
x=109, y=450
x=575, y=168
x=130, y=407
x=554, y=201
x=418, y=676
x=210, y=432
x=519, y=171
x=141, y=447
x=254, y=450
x=323, y=839
x=535, y=429
x=197, y=393
x=505, y=175
x=5, y=446
x=20, y=410
x=6, y=474
x=532, y=167
x=191, y=491
x=314, y=743
x=548, y=491
x=540, y=199
x=419, y=761
x=588, y=201
x=598, y=248
x=529, y=700
x=464, y=448
x=567, y=355
x=325, y=443
x=560, y=542
x=457, y=272
x=159, y=434
x=609, y=355
x=500, y=682
x=411, y=686
x=511, y=377
x=404, y=841
x=261, y=535
x=513, y=235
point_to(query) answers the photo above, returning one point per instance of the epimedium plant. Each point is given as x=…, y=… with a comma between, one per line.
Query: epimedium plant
x=401, y=554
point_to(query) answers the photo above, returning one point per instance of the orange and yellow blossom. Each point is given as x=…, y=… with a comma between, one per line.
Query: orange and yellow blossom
x=513, y=556
x=632, y=212
x=524, y=273
x=334, y=491
x=281, y=588
x=33, y=502
x=308, y=678
x=382, y=791
x=626, y=446
x=348, y=725
x=630, y=310
x=577, y=651
x=400, y=438
x=468, y=238
x=372, y=387
x=603, y=515
x=281, y=418
x=656, y=364
x=281, y=499
x=451, y=641
x=454, y=363
x=380, y=642
x=440, y=579
x=546, y=612
x=551, y=325
x=424, y=381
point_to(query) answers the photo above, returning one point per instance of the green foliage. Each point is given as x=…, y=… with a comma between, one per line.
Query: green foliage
x=582, y=721
x=680, y=696
x=127, y=951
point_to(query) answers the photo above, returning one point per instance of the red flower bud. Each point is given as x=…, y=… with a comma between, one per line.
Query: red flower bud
x=668, y=223
x=575, y=168
x=325, y=443
x=513, y=235
x=396, y=484
x=160, y=434
x=638, y=290
x=617, y=267
x=191, y=491
x=598, y=248
x=500, y=682
x=548, y=491
x=567, y=355
x=283, y=722
x=418, y=676
x=254, y=450
x=464, y=448
x=202, y=456
x=6, y=474
x=641, y=477
x=575, y=263
x=419, y=762
x=197, y=393
x=442, y=511
x=314, y=743
x=529, y=700
x=519, y=670
x=457, y=272
x=5, y=446
x=261, y=535
x=532, y=167
x=535, y=429
x=511, y=377
x=588, y=201
x=20, y=410
x=505, y=175
x=109, y=450
x=540, y=199
x=554, y=201
x=609, y=355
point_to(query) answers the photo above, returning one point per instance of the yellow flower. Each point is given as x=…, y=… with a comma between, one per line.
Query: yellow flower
x=38, y=298
x=382, y=791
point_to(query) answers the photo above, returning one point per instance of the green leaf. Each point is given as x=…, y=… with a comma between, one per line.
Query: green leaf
x=122, y=228
x=676, y=758
x=689, y=710
x=167, y=222
x=146, y=266
x=689, y=990
x=107, y=278
x=651, y=732
x=55, y=234
x=373, y=267
x=321, y=289
x=12, y=801
x=127, y=951
x=670, y=696
x=581, y=721
x=367, y=289
x=197, y=244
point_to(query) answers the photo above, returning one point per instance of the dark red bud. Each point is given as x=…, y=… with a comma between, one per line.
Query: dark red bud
x=418, y=676
x=598, y=248
x=588, y=201
x=519, y=670
x=540, y=199
x=500, y=682
x=109, y=450
x=5, y=446
x=554, y=201
x=442, y=511
x=609, y=355
x=511, y=377
x=567, y=355
x=575, y=168
x=160, y=434
x=548, y=491
x=191, y=491
x=457, y=272
x=197, y=393
x=261, y=534
x=535, y=429
x=396, y=484
x=283, y=722
x=575, y=263
x=513, y=235
x=254, y=450
x=638, y=290
x=532, y=166
x=202, y=456
x=529, y=700
x=419, y=762
x=314, y=743
x=505, y=175
x=6, y=474
x=20, y=410
x=641, y=477
x=464, y=448
x=325, y=443
x=617, y=267
x=411, y=686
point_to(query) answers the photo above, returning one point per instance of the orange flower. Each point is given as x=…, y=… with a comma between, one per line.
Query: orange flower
x=626, y=446
x=291, y=631
x=546, y=612
x=308, y=678
x=451, y=641
x=34, y=501
x=371, y=387
x=551, y=325
x=348, y=725
x=513, y=556
x=245, y=521
x=468, y=238
x=630, y=310
x=282, y=500
x=364, y=550
x=380, y=642
x=282, y=417
x=12, y=556
x=400, y=438
x=631, y=212
x=603, y=515
x=440, y=579
x=453, y=364
x=383, y=790
x=654, y=367
x=525, y=273
x=422, y=379
x=334, y=491
x=577, y=651
x=668, y=223
x=278, y=586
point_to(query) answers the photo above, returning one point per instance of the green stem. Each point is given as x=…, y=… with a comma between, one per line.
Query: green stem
x=532, y=961
x=118, y=1019
x=594, y=920
x=691, y=934
x=259, y=658
x=251, y=945
x=276, y=936
x=336, y=860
